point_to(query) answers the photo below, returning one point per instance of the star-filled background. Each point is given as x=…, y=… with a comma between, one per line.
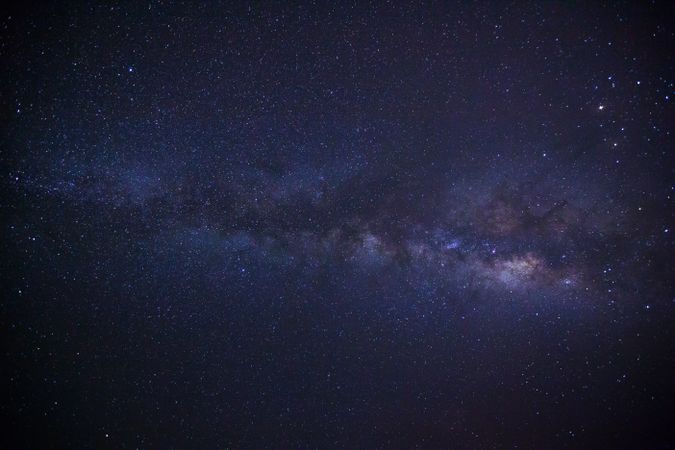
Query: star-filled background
x=337, y=224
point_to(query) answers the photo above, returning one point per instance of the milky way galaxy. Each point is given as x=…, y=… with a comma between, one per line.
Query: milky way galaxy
x=370, y=225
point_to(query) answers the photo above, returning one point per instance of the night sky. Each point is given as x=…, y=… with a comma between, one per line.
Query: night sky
x=373, y=225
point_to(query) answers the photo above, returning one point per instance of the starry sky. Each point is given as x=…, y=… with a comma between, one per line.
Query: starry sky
x=337, y=224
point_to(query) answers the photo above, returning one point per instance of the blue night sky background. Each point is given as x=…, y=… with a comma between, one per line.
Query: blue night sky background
x=337, y=224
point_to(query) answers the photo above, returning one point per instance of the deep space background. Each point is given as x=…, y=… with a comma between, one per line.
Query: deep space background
x=337, y=224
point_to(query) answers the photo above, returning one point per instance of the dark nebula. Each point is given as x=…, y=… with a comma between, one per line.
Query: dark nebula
x=338, y=225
